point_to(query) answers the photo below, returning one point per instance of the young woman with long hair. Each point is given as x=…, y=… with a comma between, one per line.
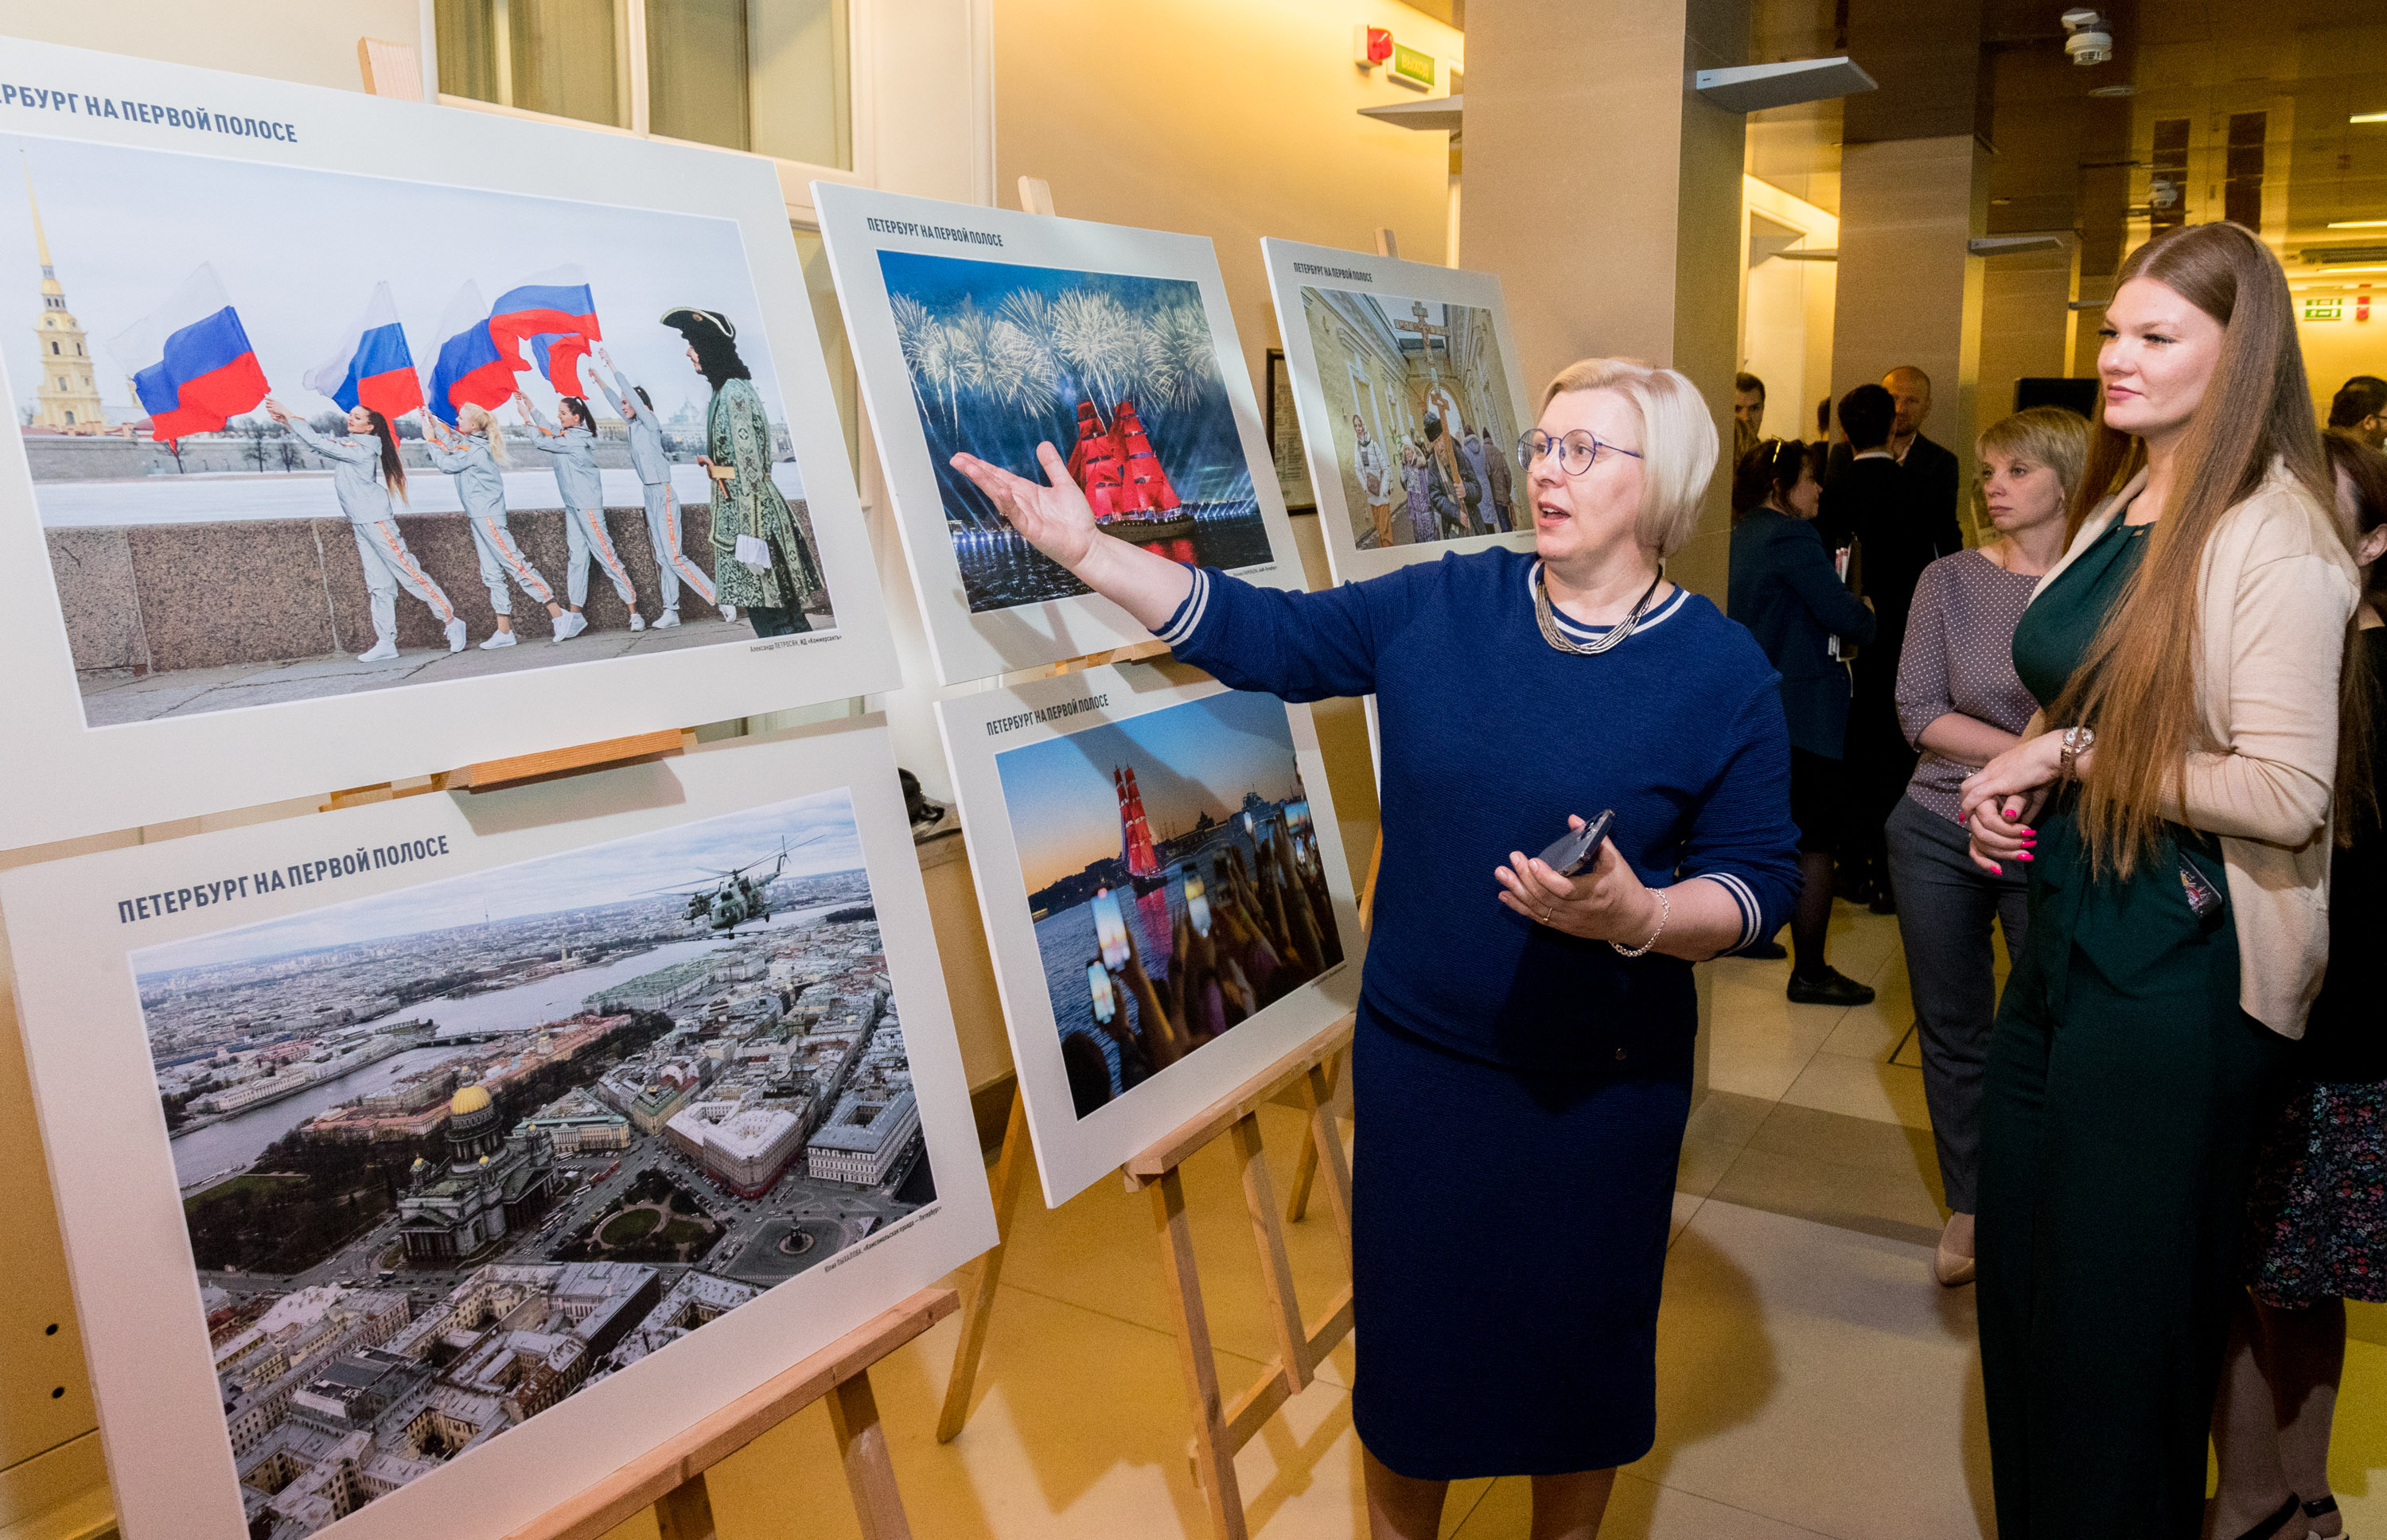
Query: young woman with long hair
x=2172, y=801
x=572, y=447
x=637, y=411
x=366, y=468
x=473, y=456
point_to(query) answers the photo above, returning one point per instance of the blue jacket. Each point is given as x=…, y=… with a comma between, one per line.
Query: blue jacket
x=1783, y=589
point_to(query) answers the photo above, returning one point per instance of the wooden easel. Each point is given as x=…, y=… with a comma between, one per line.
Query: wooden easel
x=1220, y=1428
x=670, y=1477
x=523, y=769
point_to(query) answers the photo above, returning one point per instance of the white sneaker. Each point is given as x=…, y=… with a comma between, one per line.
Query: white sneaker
x=380, y=652
x=498, y=639
x=569, y=624
x=729, y=614
x=635, y=622
x=456, y=635
x=669, y=619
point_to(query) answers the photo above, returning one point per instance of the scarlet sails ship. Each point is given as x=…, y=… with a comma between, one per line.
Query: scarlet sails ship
x=1132, y=497
x=1136, y=852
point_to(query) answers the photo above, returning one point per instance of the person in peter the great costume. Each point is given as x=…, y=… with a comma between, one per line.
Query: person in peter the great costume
x=761, y=561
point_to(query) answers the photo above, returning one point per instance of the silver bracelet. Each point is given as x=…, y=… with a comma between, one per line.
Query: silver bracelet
x=1665, y=912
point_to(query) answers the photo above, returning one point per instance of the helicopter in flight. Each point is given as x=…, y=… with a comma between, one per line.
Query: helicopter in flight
x=733, y=898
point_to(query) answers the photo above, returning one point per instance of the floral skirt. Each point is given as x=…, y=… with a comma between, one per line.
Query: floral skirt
x=2318, y=1214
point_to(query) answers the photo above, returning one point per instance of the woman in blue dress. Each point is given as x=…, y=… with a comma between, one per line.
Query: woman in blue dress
x=1547, y=1019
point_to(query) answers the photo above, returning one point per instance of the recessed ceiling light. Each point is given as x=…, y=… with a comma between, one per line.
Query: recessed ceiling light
x=2357, y=224
x=2115, y=91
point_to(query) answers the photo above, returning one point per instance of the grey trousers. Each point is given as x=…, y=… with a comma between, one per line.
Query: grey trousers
x=1945, y=907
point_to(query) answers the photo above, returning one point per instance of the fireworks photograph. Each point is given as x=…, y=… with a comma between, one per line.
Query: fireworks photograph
x=1174, y=878
x=1119, y=373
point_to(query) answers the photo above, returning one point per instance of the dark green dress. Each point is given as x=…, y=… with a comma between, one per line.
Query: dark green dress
x=2123, y=1088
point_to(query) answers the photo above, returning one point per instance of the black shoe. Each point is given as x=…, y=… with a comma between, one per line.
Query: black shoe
x=1765, y=952
x=2271, y=1526
x=1883, y=903
x=1830, y=987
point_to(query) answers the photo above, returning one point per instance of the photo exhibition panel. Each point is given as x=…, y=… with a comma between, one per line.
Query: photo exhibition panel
x=991, y=331
x=1165, y=894
x=1406, y=381
x=422, y=1163
x=322, y=476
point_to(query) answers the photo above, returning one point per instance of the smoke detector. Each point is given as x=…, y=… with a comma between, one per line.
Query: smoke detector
x=2087, y=41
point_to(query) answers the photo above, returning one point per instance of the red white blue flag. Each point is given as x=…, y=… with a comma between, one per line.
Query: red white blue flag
x=373, y=367
x=472, y=368
x=554, y=308
x=192, y=366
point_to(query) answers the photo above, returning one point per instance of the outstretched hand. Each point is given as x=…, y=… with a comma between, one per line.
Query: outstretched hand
x=1056, y=518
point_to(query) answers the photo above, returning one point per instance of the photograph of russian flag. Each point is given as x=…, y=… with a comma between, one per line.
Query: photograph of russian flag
x=294, y=381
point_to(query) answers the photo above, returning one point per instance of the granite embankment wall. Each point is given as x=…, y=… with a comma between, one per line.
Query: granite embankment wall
x=160, y=598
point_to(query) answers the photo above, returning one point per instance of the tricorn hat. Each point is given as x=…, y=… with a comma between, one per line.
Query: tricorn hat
x=691, y=323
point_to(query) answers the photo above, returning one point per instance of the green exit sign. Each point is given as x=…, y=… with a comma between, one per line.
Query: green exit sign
x=2324, y=310
x=1411, y=67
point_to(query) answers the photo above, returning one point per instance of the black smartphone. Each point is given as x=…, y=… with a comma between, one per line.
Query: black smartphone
x=1573, y=852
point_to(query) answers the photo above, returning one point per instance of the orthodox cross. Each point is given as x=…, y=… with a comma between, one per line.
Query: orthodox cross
x=1425, y=332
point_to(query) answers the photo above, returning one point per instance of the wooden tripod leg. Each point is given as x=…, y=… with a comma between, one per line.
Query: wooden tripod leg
x=869, y=1474
x=686, y=1511
x=1010, y=1170
x=1214, y=1460
x=1296, y=1208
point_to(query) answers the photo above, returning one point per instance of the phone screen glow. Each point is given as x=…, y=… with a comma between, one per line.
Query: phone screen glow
x=1098, y=985
x=1110, y=928
x=1197, y=905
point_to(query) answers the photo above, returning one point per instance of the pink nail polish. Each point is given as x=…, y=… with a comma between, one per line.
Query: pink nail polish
x=2025, y=855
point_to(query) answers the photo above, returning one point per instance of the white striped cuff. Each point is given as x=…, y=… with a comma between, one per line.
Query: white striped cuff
x=1188, y=617
x=1751, y=915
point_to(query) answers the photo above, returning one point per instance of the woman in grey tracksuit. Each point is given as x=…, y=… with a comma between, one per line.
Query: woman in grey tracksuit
x=654, y=478
x=471, y=456
x=573, y=447
x=365, y=470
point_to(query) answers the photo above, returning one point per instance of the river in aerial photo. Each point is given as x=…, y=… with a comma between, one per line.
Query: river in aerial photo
x=233, y=1143
x=1000, y=571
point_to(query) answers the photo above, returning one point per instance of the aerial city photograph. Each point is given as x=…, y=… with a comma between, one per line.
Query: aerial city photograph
x=452, y=1154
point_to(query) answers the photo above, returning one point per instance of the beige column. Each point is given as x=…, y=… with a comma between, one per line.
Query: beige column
x=1909, y=291
x=1607, y=196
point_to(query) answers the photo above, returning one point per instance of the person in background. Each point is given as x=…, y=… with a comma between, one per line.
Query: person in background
x=1898, y=529
x=2172, y=802
x=770, y=578
x=472, y=457
x=573, y=448
x=1783, y=588
x=1554, y=1014
x=2317, y=1223
x=1747, y=413
x=1499, y=516
x=672, y=565
x=1932, y=466
x=1375, y=480
x=367, y=468
x=2358, y=413
x=1479, y=507
x=1961, y=705
x=1416, y=481
x=1453, y=490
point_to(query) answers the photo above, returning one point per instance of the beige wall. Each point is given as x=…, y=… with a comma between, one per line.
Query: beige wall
x=2335, y=350
x=1231, y=118
x=314, y=44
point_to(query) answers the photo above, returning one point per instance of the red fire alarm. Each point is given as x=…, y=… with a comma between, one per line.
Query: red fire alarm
x=2362, y=303
x=1370, y=47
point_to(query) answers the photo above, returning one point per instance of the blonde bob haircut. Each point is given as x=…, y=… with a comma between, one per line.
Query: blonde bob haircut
x=2041, y=436
x=1678, y=442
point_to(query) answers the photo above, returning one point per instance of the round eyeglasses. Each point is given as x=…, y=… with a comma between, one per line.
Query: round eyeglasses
x=1577, y=452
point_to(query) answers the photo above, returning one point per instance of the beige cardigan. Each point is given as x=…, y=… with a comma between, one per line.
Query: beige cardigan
x=2278, y=588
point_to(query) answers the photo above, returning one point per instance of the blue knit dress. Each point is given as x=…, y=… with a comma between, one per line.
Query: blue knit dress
x=1520, y=1093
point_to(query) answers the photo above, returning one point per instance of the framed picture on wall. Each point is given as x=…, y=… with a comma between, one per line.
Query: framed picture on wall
x=276, y=505
x=1284, y=438
x=421, y=1163
x=1165, y=894
x=991, y=331
x=1406, y=381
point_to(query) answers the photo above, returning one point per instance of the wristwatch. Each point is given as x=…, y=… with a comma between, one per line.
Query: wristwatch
x=2070, y=745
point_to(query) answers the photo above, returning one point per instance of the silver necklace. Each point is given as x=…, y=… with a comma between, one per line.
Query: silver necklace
x=1616, y=633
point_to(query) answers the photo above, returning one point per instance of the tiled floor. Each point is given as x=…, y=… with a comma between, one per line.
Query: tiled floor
x=1812, y=1380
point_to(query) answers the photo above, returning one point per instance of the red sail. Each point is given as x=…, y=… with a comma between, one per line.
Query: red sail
x=1094, y=463
x=1135, y=835
x=1146, y=485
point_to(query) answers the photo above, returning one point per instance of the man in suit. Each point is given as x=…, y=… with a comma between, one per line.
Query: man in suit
x=1933, y=467
x=1895, y=515
x=2359, y=412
